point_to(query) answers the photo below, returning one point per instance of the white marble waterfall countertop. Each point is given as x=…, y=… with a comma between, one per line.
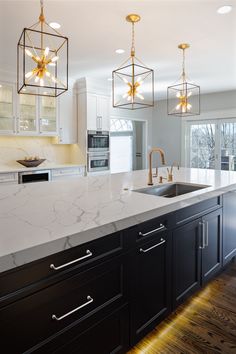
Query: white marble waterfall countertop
x=40, y=219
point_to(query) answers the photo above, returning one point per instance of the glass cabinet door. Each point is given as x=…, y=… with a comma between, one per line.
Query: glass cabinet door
x=27, y=113
x=48, y=115
x=7, y=121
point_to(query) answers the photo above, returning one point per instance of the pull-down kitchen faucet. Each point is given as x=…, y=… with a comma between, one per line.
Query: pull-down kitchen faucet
x=162, y=154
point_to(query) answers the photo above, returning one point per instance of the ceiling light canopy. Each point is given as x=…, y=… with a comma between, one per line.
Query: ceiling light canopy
x=183, y=98
x=223, y=10
x=42, y=59
x=120, y=51
x=133, y=82
x=55, y=25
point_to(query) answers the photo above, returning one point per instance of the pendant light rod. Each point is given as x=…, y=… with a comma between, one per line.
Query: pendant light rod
x=133, y=18
x=183, y=47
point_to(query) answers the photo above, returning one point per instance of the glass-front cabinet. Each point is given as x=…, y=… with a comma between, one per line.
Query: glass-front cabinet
x=27, y=114
x=7, y=109
x=48, y=115
x=27, y=120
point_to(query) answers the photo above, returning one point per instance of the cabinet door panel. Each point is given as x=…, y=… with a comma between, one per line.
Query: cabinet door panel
x=104, y=109
x=186, y=261
x=27, y=121
x=212, y=238
x=48, y=115
x=229, y=226
x=91, y=112
x=7, y=122
x=152, y=285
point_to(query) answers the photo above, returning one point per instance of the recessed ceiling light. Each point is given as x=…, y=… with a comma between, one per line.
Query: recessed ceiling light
x=54, y=25
x=110, y=79
x=223, y=10
x=120, y=51
x=0, y=86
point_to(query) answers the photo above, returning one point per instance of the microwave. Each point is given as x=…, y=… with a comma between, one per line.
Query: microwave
x=98, y=141
x=98, y=162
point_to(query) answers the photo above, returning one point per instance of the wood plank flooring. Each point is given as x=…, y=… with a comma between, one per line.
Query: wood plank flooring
x=205, y=324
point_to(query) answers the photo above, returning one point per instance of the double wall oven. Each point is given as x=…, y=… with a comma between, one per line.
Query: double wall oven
x=98, y=151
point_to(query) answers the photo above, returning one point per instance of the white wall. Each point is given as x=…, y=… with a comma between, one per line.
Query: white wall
x=167, y=130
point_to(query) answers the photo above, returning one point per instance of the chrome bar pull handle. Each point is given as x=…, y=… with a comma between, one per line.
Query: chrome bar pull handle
x=202, y=242
x=206, y=242
x=151, y=248
x=162, y=227
x=90, y=300
x=88, y=254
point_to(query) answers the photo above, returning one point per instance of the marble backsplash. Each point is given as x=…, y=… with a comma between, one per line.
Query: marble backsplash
x=16, y=148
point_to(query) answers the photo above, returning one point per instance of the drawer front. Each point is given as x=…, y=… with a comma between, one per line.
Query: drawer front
x=149, y=230
x=40, y=316
x=110, y=335
x=8, y=177
x=197, y=210
x=68, y=172
x=59, y=264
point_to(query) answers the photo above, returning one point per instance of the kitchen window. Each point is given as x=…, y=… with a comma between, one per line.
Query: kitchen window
x=211, y=144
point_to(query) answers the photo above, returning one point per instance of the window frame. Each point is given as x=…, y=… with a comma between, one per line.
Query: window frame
x=186, y=141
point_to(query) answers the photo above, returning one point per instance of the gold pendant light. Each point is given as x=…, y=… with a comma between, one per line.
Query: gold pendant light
x=133, y=82
x=183, y=98
x=42, y=60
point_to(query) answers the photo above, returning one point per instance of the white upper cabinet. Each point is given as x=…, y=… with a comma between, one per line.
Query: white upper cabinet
x=7, y=108
x=48, y=115
x=32, y=115
x=68, y=118
x=27, y=114
x=98, y=112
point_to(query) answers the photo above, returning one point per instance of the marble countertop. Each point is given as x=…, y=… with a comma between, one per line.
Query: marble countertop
x=40, y=219
x=16, y=167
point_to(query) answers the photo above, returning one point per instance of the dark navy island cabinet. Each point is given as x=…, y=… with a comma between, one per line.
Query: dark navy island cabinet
x=105, y=295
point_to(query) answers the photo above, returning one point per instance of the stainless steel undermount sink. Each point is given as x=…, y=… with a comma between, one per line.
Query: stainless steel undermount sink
x=171, y=190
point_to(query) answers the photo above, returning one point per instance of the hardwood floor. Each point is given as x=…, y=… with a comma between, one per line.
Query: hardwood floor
x=206, y=324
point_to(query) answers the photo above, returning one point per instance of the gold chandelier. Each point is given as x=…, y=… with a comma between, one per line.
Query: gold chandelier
x=183, y=98
x=133, y=82
x=42, y=60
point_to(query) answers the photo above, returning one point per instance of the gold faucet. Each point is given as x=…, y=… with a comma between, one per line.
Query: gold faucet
x=162, y=154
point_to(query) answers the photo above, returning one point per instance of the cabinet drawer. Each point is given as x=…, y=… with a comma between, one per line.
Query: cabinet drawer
x=59, y=264
x=194, y=211
x=38, y=317
x=150, y=229
x=75, y=171
x=8, y=177
x=110, y=335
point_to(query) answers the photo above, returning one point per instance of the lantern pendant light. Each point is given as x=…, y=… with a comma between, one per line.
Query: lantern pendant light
x=42, y=60
x=183, y=98
x=133, y=82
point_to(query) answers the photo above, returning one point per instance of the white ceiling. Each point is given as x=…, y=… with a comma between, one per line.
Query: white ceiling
x=96, y=28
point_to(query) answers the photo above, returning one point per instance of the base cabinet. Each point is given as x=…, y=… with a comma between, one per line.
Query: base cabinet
x=105, y=295
x=151, y=301
x=211, y=245
x=229, y=227
x=186, y=261
x=197, y=254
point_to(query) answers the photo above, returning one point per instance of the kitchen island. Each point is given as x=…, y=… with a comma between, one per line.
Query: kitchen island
x=94, y=258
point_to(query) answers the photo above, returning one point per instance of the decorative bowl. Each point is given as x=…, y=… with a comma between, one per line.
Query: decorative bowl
x=31, y=163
